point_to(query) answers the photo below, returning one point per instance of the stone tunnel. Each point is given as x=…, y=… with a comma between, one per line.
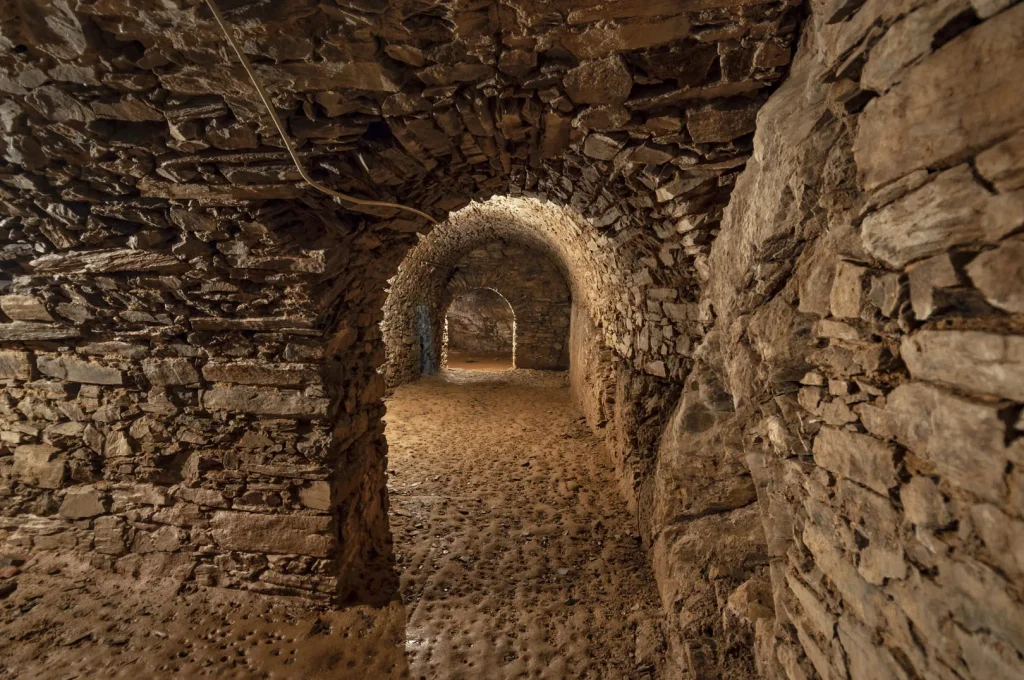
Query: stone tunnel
x=776, y=246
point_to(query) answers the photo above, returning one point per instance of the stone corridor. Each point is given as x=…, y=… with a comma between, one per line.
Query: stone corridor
x=516, y=556
x=777, y=246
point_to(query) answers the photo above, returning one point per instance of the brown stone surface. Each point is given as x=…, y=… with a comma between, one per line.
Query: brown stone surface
x=790, y=280
x=15, y=365
x=76, y=370
x=24, y=308
x=604, y=81
x=82, y=503
x=252, y=532
x=267, y=402
x=984, y=363
x=999, y=275
x=952, y=105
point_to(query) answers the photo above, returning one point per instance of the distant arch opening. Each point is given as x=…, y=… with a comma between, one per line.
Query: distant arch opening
x=479, y=331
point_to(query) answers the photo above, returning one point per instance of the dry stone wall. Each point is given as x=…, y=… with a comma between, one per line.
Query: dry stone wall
x=166, y=408
x=206, y=328
x=827, y=490
x=480, y=321
x=859, y=368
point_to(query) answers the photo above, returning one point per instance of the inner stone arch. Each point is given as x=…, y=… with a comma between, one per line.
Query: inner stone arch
x=479, y=325
x=531, y=252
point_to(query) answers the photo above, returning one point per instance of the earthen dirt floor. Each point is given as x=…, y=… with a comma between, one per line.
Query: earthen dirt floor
x=517, y=559
x=479, y=361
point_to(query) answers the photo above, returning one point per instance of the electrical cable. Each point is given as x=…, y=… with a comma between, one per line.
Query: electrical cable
x=284, y=136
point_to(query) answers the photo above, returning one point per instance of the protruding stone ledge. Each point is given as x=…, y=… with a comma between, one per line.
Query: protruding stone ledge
x=107, y=261
x=76, y=370
x=268, y=323
x=251, y=373
x=23, y=331
x=264, y=402
x=277, y=534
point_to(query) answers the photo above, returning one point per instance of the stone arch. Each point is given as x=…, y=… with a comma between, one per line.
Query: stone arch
x=506, y=261
x=190, y=338
x=505, y=317
x=557, y=269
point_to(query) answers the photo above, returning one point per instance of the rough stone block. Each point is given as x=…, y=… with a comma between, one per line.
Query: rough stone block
x=926, y=278
x=859, y=595
x=82, y=503
x=1003, y=537
x=923, y=504
x=279, y=534
x=177, y=371
x=15, y=365
x=951, y=210
x=1003, y=164
x=110, y=535
x=161, y=539
x=988, y=8
x=24, y=308
x=875, y=517
x=271, y=323
x=210, y=498
x=866, y=659
x=604, y=81
x=952, y=104
x=713, y=123
x=601, y=146
x=602, y=40
x=39, y=465
x=961, y=440
x=76, y=370
x=252, y=373
x=906, y=42
x=113, y=348
x=117, y=445
x=21, y=331
x=815, y=611
x=974, y=361
x=264, y=401
x=858, y=457
x=847, y=296
x=316, y=496
x=999, y=275
x=112, y=260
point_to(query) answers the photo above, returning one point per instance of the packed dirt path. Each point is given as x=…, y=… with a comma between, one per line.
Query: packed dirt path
x=517, y=559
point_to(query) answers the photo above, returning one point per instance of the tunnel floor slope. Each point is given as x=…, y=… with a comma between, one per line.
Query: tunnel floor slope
x=518, y=558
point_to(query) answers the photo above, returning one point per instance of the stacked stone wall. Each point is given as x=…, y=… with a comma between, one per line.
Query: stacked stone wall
x=812, y=396
x=480, y=321
x=864, y=293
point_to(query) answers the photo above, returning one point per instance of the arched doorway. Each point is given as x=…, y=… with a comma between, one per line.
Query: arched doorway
x=480, y=331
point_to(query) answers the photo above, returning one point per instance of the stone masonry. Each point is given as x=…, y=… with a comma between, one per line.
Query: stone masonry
x=790, y=243
x=438, y=271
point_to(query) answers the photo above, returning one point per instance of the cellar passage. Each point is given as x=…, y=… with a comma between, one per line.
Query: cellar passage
x=480, y=328
x=777, y=246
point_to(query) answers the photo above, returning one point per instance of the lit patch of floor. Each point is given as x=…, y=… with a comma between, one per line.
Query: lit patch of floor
x=518, y=557
x=479, y=361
